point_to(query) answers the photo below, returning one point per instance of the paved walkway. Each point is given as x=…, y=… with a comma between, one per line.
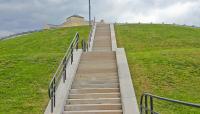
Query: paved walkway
x=95, y=89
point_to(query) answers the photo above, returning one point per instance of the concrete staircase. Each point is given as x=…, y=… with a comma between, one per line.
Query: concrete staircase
x=95, y=89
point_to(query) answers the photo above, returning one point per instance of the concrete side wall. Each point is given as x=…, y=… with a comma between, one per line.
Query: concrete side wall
x=113, y=38
x=63, y=88
x=129, y=101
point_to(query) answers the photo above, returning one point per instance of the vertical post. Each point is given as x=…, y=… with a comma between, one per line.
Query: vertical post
x=71, y=54
x=77, y=40
x=51, y=91
x=89, y=12
x=82, y=45
x=141, y=104
x=64, y=71
x=87, y=47
x=151, y=105
x=54, y=91
x=146, y=104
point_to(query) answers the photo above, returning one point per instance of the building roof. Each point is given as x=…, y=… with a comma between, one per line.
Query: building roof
x=76, y=16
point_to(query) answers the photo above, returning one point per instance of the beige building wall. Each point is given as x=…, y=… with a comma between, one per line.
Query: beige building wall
x=70, y=22
x=74, y=21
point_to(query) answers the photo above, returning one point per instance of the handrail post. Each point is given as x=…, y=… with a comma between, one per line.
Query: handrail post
x=82, y=45
x=151, y=105
x=51, y=94
x=146, y=104
x=64, y=69
x=141, y=104
x=77, y=39
x=54, y=91
x=71, y=54
x=87, y=48
x=64, y=73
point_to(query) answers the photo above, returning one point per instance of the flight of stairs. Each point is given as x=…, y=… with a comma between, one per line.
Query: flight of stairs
x=95, y=89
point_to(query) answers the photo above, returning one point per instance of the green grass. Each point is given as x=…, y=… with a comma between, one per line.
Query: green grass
x=163, y=60
x=27, y=64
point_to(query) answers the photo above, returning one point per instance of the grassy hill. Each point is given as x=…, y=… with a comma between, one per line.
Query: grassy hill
x=27, y=64
x=163, y=60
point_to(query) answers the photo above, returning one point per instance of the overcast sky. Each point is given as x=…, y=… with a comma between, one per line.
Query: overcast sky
x=23, y=15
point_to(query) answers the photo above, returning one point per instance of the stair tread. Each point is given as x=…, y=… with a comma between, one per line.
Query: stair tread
x=95, y=110
x=94, y=101
x=97, y=93
x=80, y=107
x=97, y=99
x=110, y=104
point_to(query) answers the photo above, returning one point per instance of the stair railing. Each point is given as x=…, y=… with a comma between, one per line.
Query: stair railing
x=150, y=109
x=91, y=32
x=84, y=46
x=61, y=70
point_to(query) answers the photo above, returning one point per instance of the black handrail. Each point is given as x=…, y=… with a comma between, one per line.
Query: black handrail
x=84, y=46
x=151, y=97
x=61, y=70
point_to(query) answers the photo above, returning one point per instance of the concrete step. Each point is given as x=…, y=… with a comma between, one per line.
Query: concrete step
x=104, y=85
x=101, y=44
x=113, y=80
x=94, y=95
x=110, y=70
x=98, y=74
x=91, y=66
x=97, y=78
x=99, y=55
x=94, y=90
x=94, y=112
x=94, y=101
x=102, y=49
x=95, y=62
x=95, y=81
x=104, y=38
x=81, y=107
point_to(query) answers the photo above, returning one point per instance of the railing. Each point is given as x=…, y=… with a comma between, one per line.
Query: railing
x=61, y=71
x=150, y=109
x=84, y=46
x=91, y=32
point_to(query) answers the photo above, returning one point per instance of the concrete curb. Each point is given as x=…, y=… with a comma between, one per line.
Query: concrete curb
x=113, y=38
x=129, y=101
x=63, y=88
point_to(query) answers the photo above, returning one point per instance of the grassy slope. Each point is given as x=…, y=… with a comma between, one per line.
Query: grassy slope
x=163, y=60
x=26, y=67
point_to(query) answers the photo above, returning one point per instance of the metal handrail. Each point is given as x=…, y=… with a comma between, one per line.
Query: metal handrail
x=84, y=46
x=151, y=110
x=61, y=70
x=91, y=32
